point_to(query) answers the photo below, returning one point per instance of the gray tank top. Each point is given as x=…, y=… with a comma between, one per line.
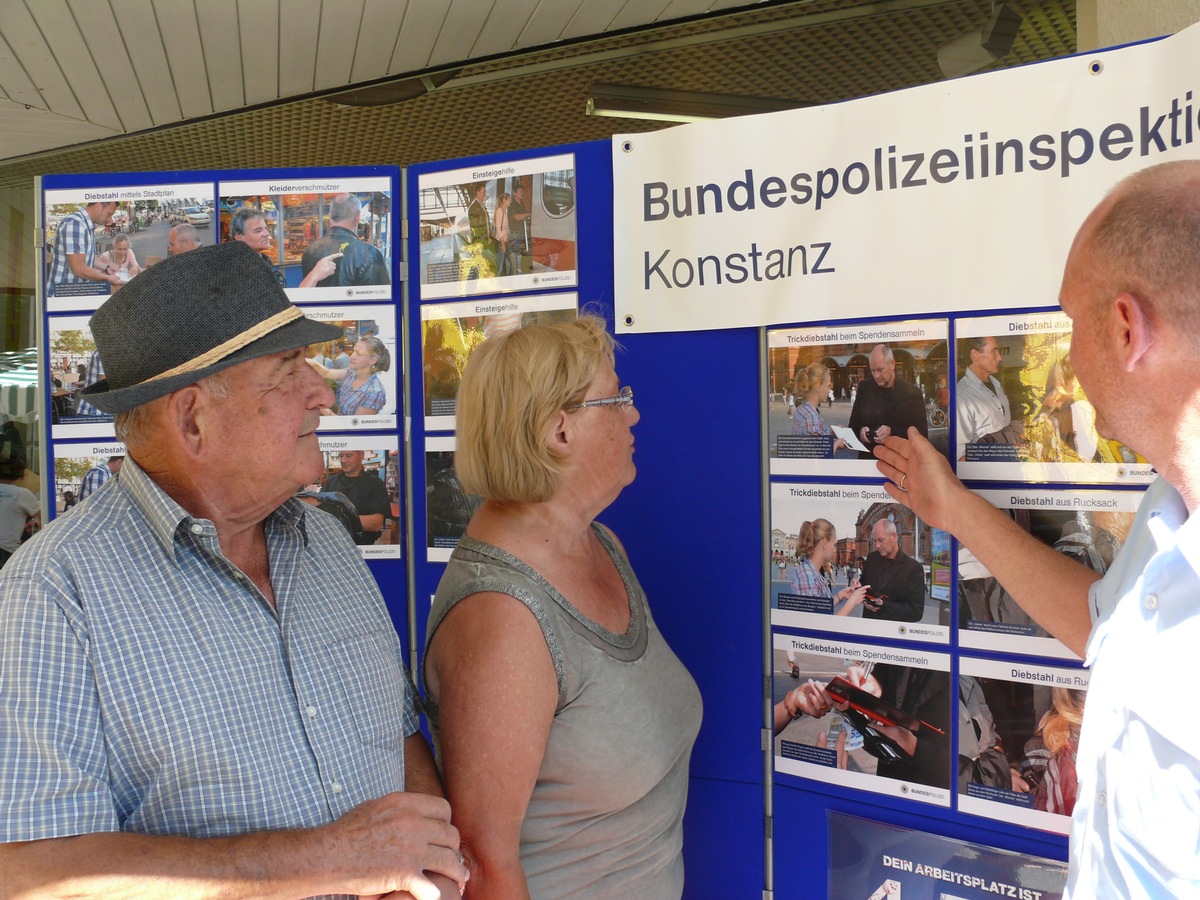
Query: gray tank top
x=606, y=815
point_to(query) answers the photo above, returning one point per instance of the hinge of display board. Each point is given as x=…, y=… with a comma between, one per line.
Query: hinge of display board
x=404, y=230
x=766, y=740
x=768, y=895
x=39, y=238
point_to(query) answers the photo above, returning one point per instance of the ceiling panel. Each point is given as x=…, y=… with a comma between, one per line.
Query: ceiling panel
x=813, y=51
x=337, y=44
x=257, y=34
x=143, y=43
x=50, y=89
x=219, y=36
x=185, y=55
x=79, y=76
x=377, y=36
x=460, y=31
x=422, y=25
x=116, y=70
x=505, y=25
x=14, y=80
x=299, y=35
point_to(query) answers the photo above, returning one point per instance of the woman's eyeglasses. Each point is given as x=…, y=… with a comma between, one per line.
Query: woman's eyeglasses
x=622, y=398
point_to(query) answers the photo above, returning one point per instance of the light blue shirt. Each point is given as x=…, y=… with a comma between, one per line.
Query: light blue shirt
x=146, y=685
x=1136, y=826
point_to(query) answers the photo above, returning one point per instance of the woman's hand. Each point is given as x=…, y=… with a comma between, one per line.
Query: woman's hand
x=853, y=597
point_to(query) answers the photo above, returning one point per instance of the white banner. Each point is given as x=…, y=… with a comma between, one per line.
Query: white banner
x=956, y=196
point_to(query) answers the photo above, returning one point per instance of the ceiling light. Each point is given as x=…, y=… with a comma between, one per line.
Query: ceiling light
x=398, y=90
x=977, y=49
x=625, y=102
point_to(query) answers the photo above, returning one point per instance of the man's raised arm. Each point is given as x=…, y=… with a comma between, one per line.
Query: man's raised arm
x=1050, y=587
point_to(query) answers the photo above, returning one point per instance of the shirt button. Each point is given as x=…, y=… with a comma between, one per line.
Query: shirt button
x=312, y=712
x=1101, y=799
x=1151, y=601
x=336, y=788
x=197, y=528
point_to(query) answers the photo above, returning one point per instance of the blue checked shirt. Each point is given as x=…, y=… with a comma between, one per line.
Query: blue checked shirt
x=806, y=420
x=808, y=582
x=371, y=395
x=76, y=234
x=146, y=685
x=95, y=371
x=94, y=479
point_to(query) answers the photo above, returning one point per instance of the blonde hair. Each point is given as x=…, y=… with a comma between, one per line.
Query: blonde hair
x=812, y=533
x=1061, y=726
x=512, y=389
x=809, y=378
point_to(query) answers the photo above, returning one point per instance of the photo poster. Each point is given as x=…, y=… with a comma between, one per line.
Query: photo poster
x=506, y=226
x=309, y=219
x=865, y=538
x=1089, y=526
x=448, y=508
x=74, y=363
x=75, y=462
x=1031, y=421
x=899, y=748
x=1018, y=736
x=451, y=331
x=361, y=367
x=831, y=431
x=135, y=236
x=375, y=457
x=870, y=860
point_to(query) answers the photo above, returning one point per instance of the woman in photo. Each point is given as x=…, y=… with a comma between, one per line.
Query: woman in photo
x=1048, y=767
x=1064, y=427
x=360, y=393
x=816, y=549
x=563, y=722
x=812, y=385
x=500, y=221
x=119, y=260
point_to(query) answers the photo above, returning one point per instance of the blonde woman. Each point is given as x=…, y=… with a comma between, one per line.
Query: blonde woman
x=563, y=722
x=816, y=549
x=812, y=385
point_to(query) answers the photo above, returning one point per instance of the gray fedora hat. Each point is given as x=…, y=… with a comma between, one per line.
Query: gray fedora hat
x=189, y=316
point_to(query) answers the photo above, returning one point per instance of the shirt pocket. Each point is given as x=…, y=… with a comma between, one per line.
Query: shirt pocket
x=374, y=686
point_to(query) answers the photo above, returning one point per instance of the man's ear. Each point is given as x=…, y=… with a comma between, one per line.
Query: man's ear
x=1133, y=332
x=185, y=417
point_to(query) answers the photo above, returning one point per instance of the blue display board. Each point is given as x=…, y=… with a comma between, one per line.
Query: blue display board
x=710, y=521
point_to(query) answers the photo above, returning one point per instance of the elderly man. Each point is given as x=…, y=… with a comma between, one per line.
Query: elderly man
x=982, y=405
x=365, y=490
x=182, y=238
x=249, y=226
x=201, y=692
x=355, y=262
x=895, y=579
x=1132, y=289
x=886, y=405
x=73, y=262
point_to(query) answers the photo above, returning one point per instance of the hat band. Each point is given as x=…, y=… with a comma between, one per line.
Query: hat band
x=235, y=343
